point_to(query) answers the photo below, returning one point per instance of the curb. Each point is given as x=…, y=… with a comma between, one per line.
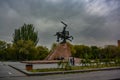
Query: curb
x=63, y=72
x=23, y=71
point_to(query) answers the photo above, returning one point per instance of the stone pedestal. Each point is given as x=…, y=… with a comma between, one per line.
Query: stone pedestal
x=62, y=51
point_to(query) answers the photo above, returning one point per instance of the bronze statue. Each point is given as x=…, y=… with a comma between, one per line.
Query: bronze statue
x=64, y=35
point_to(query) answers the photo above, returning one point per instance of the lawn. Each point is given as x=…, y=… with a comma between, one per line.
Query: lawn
x=67, y=68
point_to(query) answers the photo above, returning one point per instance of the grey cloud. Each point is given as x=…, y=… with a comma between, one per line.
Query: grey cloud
x=86, y=28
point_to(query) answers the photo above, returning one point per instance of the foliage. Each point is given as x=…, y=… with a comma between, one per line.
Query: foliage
x=81, y=51
x=94, y=52
x=23, y=50
x=42, y=52
x=84, y=67
x=47, y=70
x=3, y=45
x=26, y=50
x=26, y=32
x=64, y=65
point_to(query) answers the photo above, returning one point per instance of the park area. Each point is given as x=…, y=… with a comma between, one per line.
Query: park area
x=62, y=67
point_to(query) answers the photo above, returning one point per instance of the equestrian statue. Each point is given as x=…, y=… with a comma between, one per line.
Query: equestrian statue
x=64, y=35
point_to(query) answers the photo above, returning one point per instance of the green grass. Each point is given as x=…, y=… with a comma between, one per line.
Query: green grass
x=47, y=70
x=75, y=68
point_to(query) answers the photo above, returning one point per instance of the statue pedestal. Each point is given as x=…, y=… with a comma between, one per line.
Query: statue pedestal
x=62, y=51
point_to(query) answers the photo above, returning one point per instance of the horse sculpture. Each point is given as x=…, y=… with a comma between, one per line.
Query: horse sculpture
x=64, y=35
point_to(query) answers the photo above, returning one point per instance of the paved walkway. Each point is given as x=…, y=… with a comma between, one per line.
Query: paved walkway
x=6, y=71
x=35, y=66
x=99, y=75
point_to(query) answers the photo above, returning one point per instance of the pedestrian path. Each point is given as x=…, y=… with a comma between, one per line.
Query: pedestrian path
x=7, y=71
x=21, y=66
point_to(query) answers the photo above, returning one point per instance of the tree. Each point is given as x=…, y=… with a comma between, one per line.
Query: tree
x=78, y=51
x=81, y=51
x=26, y=32
x=25, y=50
x=110, y=51
x=42, y=52
x=3, y=45
x=95, y=52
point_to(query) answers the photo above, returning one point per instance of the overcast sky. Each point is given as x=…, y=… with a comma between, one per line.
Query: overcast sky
x=90, y=22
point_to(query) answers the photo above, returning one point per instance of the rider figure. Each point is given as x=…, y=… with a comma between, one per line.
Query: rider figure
x=64, y=32
x=64, y=35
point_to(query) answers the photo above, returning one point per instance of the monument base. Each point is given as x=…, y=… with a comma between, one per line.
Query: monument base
x=62, y=51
